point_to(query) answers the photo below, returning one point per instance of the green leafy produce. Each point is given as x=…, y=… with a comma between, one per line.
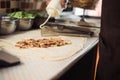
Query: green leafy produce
x=22, y=14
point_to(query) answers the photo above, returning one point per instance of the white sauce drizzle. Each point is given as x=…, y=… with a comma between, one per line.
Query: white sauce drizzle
x=45, y=22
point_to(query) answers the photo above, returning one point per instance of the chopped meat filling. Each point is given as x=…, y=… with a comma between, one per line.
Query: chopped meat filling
x=42, y=43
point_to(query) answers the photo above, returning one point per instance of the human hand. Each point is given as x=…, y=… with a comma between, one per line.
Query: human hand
x=63, y=3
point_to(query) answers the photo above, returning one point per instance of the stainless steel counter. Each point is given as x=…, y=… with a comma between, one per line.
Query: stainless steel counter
x=38, y=69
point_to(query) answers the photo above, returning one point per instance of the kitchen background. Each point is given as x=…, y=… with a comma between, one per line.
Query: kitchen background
x=84, y=66
x=7, y=6
x=38, y=6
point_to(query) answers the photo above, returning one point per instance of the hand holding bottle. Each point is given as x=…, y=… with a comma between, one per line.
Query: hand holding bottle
x=63, y=3
x=55, y=7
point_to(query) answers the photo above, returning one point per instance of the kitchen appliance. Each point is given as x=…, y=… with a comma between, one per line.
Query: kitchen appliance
x=57, y=31
x=68, y=28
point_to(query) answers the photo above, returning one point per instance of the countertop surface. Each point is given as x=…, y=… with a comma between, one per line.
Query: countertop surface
x=38, y=69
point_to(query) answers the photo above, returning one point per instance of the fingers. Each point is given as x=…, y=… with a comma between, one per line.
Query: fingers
x=63, y=3
x=47, y=1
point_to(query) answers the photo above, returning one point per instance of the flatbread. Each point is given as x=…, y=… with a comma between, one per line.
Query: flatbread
x=51, y=53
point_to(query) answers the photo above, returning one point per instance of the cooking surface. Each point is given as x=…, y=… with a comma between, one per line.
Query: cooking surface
x=38, y=69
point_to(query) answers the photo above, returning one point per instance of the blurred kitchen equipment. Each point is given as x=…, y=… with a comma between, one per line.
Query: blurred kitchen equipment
x=7, y=25
x=25, y=24
x=85, y=4
x=56, y=29
x=7, y=60
x=69, y=7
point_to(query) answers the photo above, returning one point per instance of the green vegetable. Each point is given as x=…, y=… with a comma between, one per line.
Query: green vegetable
x=21, y=14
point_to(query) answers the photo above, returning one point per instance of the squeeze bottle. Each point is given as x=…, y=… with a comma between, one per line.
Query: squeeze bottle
x=54, y=8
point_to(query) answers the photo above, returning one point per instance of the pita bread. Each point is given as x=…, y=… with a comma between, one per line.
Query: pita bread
x=51, y=53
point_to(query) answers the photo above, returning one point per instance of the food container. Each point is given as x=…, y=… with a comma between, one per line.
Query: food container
x=7, y=25
x=25, y=24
